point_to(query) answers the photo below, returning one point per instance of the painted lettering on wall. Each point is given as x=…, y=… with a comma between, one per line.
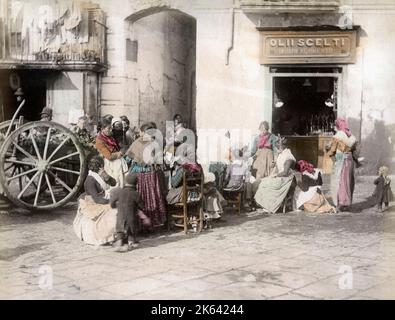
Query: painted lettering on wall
x=325, y=46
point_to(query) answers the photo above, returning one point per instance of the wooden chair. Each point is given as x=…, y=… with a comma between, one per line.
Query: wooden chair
x=234, y=197
x=183, y=210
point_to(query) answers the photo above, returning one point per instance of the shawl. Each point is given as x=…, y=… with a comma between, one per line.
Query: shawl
x=263, y=141
x=110, y=142
x=303, y=166
x=191, y=167
x=100, y=181
x=348, y=140
x=141, y=156
x=136, y=151
x=312, y=175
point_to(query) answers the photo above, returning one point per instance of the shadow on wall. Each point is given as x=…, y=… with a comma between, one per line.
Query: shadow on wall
x=377, y=148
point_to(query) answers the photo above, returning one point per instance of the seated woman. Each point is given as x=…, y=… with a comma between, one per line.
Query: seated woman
x=114, y=163
x=273, y=190
x=183, y=162
x=237, y=171
x=237, y=179
x=311, y=198
x=146, y=164
x=95, y=220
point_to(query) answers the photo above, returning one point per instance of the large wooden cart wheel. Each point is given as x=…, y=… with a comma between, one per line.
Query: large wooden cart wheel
x=42, y=166
x=4, y=126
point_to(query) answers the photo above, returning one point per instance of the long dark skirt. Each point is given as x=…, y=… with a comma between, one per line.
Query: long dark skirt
x=150, y=187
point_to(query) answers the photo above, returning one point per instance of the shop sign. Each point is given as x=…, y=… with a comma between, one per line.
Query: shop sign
x=291, y=47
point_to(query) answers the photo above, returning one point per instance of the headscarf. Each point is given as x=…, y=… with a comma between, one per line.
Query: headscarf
x=341, y=124
x=191, y=167
x=303, y=165
x=264, y=124
x=115, y=120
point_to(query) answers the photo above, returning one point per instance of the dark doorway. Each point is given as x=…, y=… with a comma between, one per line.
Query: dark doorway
x=34, y=87
x=304, y=105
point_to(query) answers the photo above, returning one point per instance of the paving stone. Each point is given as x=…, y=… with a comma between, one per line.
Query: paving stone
x=325, y=290
x=254, y=256
x=193, y=285
x=292, y=296
x=182, y=275
x=131, y=287
x=384, y=291
x=254, y=291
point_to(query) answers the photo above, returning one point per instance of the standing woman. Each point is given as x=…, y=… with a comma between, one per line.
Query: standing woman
x=262, y=151
x=342, y=148
x=147, y=163
x=114, y=163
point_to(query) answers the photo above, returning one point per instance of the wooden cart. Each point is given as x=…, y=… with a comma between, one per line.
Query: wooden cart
x=42, y=164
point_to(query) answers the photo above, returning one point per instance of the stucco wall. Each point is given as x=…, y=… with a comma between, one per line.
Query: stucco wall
x=232, y=89
x=369, y=89
x=159, y=84
x=165, y=63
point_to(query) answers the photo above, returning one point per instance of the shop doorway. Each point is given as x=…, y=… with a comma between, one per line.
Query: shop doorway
x=304, y=101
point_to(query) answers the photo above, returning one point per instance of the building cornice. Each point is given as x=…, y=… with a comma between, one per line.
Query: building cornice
x=286, y=6
x=50, y=65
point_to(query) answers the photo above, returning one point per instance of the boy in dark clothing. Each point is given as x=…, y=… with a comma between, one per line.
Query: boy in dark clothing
x=383, y=192
x=128, y=202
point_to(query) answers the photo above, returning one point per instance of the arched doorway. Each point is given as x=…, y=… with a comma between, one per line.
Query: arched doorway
x=160, y=66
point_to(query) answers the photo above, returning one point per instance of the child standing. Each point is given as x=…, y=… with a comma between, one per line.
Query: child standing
x=383, y=192
x=128, y=202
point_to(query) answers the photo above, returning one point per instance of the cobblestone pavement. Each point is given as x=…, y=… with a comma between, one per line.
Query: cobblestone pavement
x=350, y=255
